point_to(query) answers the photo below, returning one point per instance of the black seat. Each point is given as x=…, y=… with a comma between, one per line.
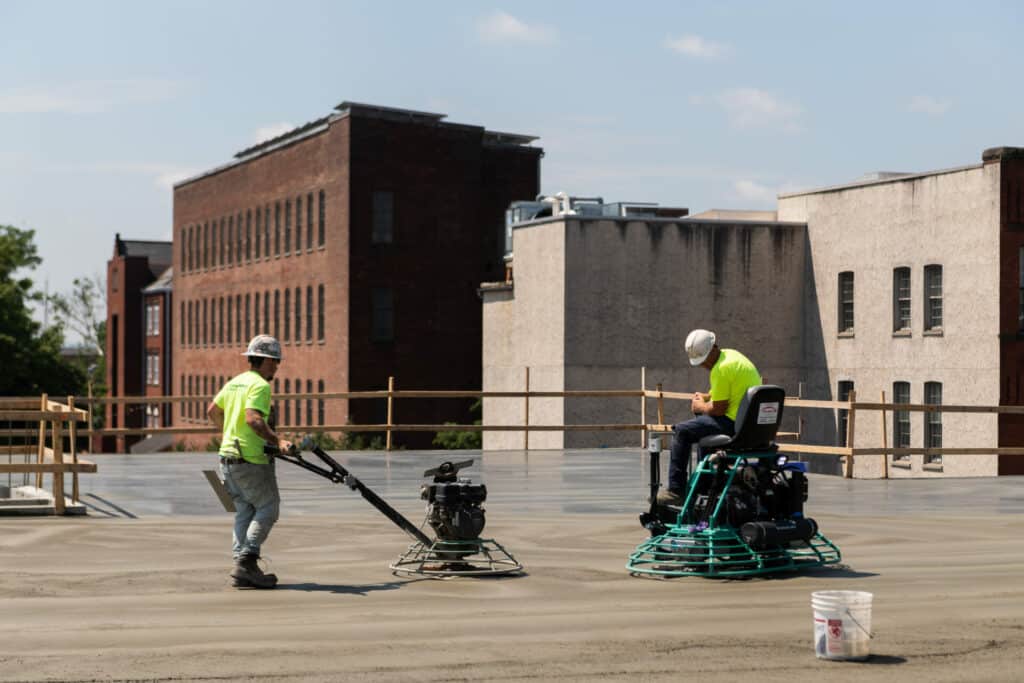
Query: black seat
x=757, y=422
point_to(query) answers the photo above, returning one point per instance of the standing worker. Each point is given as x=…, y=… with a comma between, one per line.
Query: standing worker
x=732, y=374
x=240, y=410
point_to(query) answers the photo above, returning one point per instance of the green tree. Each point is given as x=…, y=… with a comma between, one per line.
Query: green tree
x=83, y=312
x=453, y=439
x=31, y=355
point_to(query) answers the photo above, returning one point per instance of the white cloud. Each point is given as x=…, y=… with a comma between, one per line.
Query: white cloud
x=695, y=46
x=164, y=176
x=500, y=27
x=749, y=108
x=86, y=97
x=753, y=191
x=271, y=131
x=926, y=104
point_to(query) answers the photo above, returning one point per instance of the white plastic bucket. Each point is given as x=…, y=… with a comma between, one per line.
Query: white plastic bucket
x=842, y=624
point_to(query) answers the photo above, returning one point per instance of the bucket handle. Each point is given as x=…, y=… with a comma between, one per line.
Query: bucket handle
x=868, y=633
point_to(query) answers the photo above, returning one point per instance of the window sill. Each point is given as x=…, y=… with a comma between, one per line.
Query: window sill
x=936, y=332
x=906, y=334
x=932, y=467
x=902, y=464
x=846, y=335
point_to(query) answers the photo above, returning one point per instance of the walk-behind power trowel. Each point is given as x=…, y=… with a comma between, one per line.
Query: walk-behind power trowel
x=743, y=511
x=454, y=512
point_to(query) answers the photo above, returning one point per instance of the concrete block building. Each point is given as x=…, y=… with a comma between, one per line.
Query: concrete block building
x=358, y=240
x=910, y=284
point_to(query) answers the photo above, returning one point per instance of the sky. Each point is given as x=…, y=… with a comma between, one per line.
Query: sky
x=104, y=105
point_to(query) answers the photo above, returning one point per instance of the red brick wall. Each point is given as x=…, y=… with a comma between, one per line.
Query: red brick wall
x=126, y=276
x=1011, y=239
x=318, y=163
x=450, y=194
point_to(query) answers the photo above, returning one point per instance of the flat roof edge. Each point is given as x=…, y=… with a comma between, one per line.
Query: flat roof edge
x=880, y=181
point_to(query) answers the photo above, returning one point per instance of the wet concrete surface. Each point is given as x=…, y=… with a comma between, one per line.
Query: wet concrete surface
x=598, y=481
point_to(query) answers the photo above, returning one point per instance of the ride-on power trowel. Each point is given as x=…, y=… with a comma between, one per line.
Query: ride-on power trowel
x=743, y=511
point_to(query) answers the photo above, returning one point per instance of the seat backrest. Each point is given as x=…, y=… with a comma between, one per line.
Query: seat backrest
x=758, y=418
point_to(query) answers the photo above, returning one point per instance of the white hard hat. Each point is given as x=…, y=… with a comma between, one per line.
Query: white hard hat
x=264, y=346
x=698, y=345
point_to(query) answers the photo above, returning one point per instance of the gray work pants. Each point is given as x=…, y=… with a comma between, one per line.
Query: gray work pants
x=253, y=489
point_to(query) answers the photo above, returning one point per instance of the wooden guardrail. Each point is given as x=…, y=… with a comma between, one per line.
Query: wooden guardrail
x=53, y=420
x=790, y=441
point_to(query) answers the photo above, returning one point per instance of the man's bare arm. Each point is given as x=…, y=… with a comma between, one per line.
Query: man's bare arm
x=216, y=415
x=254, y=419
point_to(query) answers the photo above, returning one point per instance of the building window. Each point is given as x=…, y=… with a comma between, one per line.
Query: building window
x=382, y=319
x=239, y=242
x=220, y=321
x=256, y=245
x=248, y=235
x=901, y=418
x=298, y=402
x=230, y=316
x=277, y=228
x=184, y=250
x=933, y=298
x=287, y=227
x=266, y=232
x=933, y=421
x=320, y=403
x=901, y=300
x=287, y=314
x=320, y=313
x=298, y=314
x=383, y=217
x=152, y=320
x=181, y=324
x=309, y=221
x=309, y=403
x=266, y=313
x=188, y=335
x=843, y=415
x=298, y=225
x=846, y=302
x=277, y=313
x=205, y=329
x=181, y=390
x=238, y=318
x=255, y=315
x=153, y=368
x=321, y=233
x=231, y=240
x=1020, y=307
x=206, y=245
x=309, y=316
x=287, y=402
x=187, y=261
x=248, y=319
x=221, y=242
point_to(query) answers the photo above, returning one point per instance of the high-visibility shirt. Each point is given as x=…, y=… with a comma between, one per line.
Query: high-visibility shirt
x=731, y=376
x=247, y=391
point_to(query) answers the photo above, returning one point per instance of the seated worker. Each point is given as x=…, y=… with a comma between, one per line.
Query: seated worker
x=732, y=374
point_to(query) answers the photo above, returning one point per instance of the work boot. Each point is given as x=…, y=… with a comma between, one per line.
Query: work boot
x=670, y=497
x=247, y=574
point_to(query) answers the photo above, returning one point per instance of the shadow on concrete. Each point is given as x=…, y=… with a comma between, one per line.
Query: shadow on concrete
x=884, y=660
x=121, y=512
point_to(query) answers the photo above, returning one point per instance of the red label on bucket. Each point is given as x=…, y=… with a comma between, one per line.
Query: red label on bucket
x=835, y=636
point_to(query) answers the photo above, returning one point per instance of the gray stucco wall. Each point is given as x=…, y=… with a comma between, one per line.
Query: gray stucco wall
x=525, y=327
x=950, y=219
x=619, y=295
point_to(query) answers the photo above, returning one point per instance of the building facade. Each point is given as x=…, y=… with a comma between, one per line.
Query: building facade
x=907, y=286
x=135, y=264
x=358, y=240
x=594, y=299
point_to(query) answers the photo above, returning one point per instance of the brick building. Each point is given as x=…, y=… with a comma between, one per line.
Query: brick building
x=134, y=266
x=358, y=240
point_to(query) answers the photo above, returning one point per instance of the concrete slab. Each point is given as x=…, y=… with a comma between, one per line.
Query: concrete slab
x=140, y=591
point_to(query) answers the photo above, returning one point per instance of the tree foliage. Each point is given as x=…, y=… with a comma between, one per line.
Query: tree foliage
x=31, y=355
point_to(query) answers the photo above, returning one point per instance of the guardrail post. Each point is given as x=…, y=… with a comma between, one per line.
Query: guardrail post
x=391, y=391
x=851, y=414
x=885, y=442
x=58, y=459
x=41, y=448
x=661, y=405
x=526, y=412
x=643, y=406
x=73, y=433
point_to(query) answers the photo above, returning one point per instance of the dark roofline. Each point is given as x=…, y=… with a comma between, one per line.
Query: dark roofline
x=345, y=109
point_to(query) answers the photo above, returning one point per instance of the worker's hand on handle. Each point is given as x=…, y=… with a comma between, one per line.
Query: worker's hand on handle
x=286, y=447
